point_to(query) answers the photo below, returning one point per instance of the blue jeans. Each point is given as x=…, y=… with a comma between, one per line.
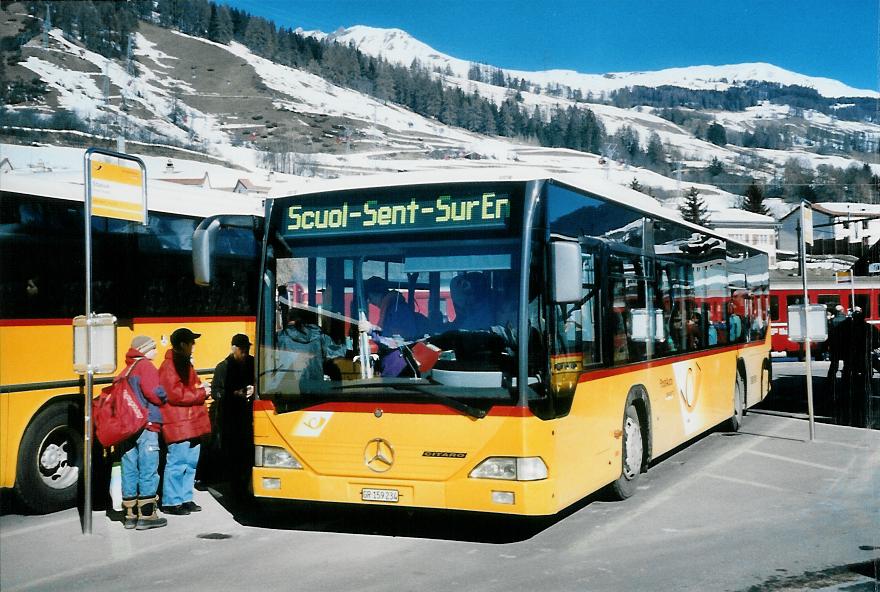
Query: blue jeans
x=180, y=473
x=140, y=466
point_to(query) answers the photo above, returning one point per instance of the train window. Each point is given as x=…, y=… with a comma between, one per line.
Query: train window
x=774, y=308
x=829, y=300
x=863, y=301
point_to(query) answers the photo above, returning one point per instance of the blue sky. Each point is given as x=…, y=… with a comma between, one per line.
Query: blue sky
x=831, y=38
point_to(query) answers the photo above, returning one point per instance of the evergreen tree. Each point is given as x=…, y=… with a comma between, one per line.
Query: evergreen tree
x=508, y=118
x=754, y=200
x=715, y=168
x=220, y=28
x=627, y=141
x=259, y=36
x=655, y=153
x=475, y=72
x=716, y=134
x=384, y=84
x=693, y=209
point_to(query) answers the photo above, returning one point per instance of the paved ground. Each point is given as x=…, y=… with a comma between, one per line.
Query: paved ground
x=763, y=509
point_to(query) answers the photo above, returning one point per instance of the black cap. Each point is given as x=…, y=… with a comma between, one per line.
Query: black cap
x=241, y=340
x=183, y=335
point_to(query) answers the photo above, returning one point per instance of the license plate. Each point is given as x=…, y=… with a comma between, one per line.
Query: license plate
x=379, y=495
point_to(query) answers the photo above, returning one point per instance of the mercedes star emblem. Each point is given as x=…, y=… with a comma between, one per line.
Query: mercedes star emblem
x=378, y=455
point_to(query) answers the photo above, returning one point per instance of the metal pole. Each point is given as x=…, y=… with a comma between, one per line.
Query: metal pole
x=87, y=404
x=807, y=353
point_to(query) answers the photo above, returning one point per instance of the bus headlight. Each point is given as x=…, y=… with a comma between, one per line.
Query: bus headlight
x=275, y=457
x=509, y=468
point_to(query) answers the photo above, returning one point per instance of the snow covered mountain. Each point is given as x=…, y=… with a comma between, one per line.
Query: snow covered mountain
x=222, y=103
x=400, y=47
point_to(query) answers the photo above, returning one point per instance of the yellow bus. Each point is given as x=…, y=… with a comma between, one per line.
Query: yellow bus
x=142, y=275
x=493, y=341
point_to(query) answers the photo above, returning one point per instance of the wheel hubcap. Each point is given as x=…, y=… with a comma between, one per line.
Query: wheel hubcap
x=56, y=471
x=633, y=448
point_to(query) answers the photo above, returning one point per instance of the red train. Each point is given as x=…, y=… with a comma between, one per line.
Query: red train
x=788, y=291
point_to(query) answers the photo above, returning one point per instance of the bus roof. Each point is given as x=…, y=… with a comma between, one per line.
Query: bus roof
x=583, y=182
x=161, y=196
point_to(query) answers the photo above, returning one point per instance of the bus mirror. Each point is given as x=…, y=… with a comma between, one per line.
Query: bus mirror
x=203, y=242
x=203, y=238
x=565, y=259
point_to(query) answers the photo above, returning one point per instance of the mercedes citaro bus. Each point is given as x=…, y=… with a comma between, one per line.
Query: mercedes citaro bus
x=497, y=341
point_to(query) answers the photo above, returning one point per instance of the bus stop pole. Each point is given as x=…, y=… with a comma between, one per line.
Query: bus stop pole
x=87, y=404
x=807, y=353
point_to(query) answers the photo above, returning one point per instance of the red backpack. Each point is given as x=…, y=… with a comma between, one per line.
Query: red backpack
x=118, y=412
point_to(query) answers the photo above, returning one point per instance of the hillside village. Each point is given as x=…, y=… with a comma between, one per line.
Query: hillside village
x=223, y=112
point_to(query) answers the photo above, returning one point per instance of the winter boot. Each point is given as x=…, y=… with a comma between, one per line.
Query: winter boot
x=130, y=516
x=149, y=515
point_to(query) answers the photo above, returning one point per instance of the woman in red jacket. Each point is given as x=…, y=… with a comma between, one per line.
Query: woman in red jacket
x=185, y=421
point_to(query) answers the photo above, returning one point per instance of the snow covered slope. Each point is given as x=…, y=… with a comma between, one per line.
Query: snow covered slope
x=400, y=47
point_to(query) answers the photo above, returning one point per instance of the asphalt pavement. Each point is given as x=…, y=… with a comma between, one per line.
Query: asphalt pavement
x=762, y=509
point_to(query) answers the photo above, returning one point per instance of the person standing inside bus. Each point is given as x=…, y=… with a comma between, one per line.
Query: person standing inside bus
x=185, y=422
x=232, y=390
x=396, y=315
x=140, y=455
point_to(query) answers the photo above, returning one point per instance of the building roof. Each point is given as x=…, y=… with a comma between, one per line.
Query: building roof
x=740, y=218
x=249, y=186
x=842, y=210
x=203, y=181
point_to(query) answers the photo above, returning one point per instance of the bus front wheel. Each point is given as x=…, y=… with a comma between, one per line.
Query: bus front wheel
x=633, y=452
x=49, y=459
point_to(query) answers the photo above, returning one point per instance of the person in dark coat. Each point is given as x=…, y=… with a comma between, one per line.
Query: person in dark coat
x=834, y=343
x=233, y=389
x=838, y=326
x=858, y=370
x=396, y=315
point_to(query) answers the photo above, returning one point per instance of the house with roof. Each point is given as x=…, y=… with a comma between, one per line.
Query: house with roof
x=204, y=181
x=838, y=229
x=746, y=227
x=248, y=186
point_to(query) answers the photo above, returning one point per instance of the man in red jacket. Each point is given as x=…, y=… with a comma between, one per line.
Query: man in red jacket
x=140, y=455
x=185, y=420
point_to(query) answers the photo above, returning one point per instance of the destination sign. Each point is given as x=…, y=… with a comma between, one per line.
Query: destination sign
x=483, y=210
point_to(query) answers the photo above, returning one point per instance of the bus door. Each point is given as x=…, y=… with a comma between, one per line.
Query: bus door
x=576, y=332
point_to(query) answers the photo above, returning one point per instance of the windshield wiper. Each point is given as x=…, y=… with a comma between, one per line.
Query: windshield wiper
x=415, y=385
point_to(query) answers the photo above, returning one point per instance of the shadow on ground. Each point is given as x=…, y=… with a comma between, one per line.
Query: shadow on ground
x=789, y=396
x=387, y=520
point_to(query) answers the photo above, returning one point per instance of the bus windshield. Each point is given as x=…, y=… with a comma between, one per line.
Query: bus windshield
x=410, y=317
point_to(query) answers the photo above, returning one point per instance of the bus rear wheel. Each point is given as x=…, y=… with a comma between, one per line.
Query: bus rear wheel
x=49, y=460
x=739, y=404
x=633, y=456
